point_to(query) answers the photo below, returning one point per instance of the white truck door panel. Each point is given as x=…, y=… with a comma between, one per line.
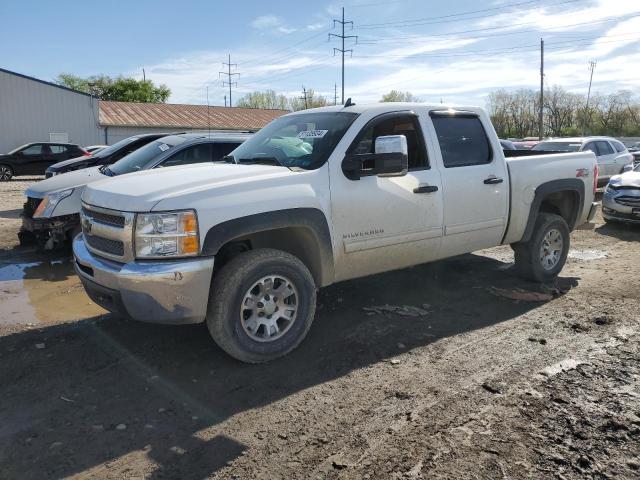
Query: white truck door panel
x=475, y=183
x=385, y=223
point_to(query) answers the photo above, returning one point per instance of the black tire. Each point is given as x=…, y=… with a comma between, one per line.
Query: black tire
x=228, y=290
x=6, y=173
x=528, y=260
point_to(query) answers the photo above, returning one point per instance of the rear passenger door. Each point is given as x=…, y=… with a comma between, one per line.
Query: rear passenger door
x=475, y=183
x=606, y=157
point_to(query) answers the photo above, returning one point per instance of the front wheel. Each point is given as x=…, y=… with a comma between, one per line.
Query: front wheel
x=541, y=258
x=6, y=172
x=261, y=305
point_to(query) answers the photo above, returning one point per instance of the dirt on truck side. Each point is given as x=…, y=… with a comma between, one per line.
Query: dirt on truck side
x=456, y=369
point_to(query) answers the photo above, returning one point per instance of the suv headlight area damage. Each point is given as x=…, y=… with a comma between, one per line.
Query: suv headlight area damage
x=50, y=202
x=166, y=234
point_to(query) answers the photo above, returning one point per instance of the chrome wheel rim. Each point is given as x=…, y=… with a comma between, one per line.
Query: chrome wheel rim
x=269, y=308
x=551, y=249
x=5, y=173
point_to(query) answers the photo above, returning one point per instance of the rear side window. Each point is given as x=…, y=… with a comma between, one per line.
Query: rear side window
x=463, y=141
x=604, y=148
x=33, y=150
x=619, y=146
x=57, y=149
x=193, y=154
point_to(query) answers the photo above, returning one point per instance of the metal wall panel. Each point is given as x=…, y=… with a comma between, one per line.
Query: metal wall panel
x=30, y=110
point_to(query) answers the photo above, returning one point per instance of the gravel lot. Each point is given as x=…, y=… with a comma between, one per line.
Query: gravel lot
x=461, y=370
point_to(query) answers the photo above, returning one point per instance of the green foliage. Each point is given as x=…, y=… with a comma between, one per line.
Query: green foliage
x=121, y=89
x=398, y=96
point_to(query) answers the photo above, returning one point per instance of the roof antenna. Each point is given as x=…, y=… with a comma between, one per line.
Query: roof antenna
x=348, y=103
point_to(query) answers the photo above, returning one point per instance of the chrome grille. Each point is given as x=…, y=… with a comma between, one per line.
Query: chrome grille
x=108, y=233
x=112, y=247
x=107, y=219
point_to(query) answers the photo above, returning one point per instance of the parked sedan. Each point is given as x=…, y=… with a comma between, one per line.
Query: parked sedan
x=621, y=199
x=612, y=156
x=35, y=158
x=50, y=215
x=105, y=156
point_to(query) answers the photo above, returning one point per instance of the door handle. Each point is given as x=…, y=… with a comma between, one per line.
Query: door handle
x=492, y=180
x=425, y=189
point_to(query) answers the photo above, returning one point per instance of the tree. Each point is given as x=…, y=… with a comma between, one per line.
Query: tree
x=121, y=89
x=313, y=100
x=398, y=96
x=266, y=99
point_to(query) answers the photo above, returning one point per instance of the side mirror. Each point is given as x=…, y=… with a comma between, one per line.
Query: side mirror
x=627, y=168
x=390, y=159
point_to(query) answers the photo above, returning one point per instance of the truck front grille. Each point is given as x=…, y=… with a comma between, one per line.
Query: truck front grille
x=108, y=233
x=107, y=219
x=105, y=245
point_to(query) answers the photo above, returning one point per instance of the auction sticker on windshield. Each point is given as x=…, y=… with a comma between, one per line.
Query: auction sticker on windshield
x=312, y=133
x=164, y=147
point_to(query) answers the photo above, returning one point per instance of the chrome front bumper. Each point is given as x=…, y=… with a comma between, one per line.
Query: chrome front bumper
x=170, y=292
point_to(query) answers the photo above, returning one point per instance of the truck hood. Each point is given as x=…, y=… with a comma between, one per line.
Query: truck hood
x=77, y=178
x=629, y=179
x=66, y=164
x=140, y=191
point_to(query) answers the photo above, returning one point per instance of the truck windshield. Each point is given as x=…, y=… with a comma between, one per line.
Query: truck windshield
x=298, y=141
x=140, y=158
x=558, y=146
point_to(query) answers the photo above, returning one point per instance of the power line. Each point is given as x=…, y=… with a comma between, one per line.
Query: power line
x=229, y=81
x=342, y=50
x=431, y=21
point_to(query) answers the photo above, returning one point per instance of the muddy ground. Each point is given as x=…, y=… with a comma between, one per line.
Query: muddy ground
x=487, y=377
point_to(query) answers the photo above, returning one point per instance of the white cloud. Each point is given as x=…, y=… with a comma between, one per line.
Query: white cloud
x=265, y=21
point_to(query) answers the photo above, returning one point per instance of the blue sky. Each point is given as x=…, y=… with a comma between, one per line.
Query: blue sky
x=455, y=51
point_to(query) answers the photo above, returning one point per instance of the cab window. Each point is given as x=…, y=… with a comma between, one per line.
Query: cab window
x=463, y=141
x=406, y=125
x=193, y=154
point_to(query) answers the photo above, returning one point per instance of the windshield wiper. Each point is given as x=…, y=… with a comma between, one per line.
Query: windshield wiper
x=262, y=161
x=107, y=171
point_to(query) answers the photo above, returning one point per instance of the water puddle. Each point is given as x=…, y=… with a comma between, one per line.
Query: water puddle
x=587, y=254
x=41, y=292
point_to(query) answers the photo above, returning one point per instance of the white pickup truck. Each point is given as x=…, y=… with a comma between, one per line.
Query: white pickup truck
x=318, y=197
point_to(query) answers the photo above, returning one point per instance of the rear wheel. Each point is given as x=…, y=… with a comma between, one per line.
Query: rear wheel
x=541, y=258
x=6, y=172
x=261, y=305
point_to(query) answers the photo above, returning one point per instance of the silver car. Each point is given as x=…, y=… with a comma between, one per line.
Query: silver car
x=621, y=199
x=612, y=156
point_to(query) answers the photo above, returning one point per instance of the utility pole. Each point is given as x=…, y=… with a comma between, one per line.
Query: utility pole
x=541, y=113
x=342, y=50
x=144, y=75
x=225, y=100
x=304, y=97
x=208, y=117
x=335, y=93
x=229, y=81
x=592, y=67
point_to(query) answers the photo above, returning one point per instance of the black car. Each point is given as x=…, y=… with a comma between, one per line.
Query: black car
x=35, y=158
x=106, y=156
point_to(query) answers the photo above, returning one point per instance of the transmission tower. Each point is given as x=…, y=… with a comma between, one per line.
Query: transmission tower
x=342, y=50
x=229, y=81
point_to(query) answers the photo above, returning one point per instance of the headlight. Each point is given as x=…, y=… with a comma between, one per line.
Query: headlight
x=49, y=202
x=167, y=234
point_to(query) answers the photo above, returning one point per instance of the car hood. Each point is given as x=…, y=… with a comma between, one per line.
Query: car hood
x=77, y=178
x=629, y=179
x=72, y=161
x=141, y=191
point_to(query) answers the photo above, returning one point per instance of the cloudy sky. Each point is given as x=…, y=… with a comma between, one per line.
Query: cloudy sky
x=453, y=51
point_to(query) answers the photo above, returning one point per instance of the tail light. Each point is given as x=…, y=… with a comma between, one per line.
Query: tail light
x=595, y=178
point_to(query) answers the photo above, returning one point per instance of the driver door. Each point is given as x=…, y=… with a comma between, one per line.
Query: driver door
x=384, y=223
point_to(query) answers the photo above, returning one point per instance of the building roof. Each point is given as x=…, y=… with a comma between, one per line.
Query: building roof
x=170, y=115
x=51, y=84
